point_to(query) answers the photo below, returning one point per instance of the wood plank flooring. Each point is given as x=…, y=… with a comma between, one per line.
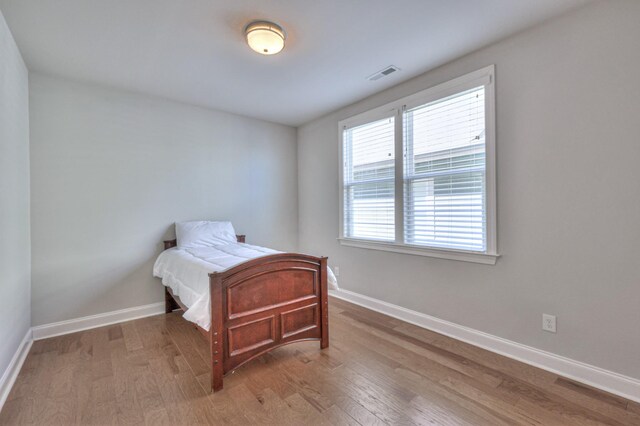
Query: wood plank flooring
x=378, y=370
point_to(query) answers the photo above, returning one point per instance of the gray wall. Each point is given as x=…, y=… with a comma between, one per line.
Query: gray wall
x=568, y=147
x=112, y=171
x=15, y=268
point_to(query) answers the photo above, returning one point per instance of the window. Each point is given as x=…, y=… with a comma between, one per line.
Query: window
x=444, y=172
x=369, y=174
x=418, y=175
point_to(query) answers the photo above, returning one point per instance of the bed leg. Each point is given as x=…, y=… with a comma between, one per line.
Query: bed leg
x=324, y=304
x=324, y=343
x=216, y=381
x=216, y=364
x=169, y=303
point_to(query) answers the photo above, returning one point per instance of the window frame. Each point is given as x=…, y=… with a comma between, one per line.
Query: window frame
x=483, y=77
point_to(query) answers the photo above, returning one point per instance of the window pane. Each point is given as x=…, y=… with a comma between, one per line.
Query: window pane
x=444, y=182
x=369, y=169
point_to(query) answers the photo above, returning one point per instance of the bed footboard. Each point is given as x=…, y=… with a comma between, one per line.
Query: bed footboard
x=265, y=303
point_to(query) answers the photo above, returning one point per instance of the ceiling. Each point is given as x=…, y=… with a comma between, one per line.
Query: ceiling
x=193, y=51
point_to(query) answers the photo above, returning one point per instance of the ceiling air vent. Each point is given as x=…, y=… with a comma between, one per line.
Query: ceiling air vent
x=385, y=72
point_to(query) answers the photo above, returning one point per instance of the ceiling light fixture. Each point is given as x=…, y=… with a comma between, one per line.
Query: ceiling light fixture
x=265, y=37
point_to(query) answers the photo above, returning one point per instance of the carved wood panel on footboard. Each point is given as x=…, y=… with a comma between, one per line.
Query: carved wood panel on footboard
x=265, y=303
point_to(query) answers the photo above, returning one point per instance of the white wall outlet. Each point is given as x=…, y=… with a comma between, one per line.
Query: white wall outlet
x=336, y=270
x=549, y=323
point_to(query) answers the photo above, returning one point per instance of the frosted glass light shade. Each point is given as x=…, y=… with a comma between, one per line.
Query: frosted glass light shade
x=265, y=37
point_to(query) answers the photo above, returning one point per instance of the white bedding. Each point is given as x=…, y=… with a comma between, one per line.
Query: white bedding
x=186, y=272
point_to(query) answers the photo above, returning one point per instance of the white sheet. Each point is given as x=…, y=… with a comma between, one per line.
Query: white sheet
x=186, y=272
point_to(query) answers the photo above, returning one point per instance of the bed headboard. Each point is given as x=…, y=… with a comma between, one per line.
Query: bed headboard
x=172, y=243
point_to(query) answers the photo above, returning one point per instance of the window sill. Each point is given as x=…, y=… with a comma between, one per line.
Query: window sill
x=461, y=255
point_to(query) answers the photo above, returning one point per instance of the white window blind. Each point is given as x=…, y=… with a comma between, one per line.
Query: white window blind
x=368, y=180
x=444, y=172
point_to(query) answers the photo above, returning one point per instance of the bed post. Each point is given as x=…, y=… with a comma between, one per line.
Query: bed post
x=324, y=304
x=169, y=303
x=216, y=331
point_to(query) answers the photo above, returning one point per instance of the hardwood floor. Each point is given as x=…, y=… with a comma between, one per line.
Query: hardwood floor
x=378, y=370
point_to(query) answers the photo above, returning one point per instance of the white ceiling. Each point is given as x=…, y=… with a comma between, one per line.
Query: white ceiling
x=194, y=51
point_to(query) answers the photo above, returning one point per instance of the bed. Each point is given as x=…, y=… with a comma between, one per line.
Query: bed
x=247, y=300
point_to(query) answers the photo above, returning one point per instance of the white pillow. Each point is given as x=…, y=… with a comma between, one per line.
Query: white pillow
x=204, y=234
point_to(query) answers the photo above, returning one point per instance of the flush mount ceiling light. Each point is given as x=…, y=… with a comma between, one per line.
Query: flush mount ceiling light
x=265, y=37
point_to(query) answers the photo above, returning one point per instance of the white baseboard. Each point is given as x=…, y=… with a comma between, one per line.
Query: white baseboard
x=93, y=321
x=11, y=373
x=606, y=380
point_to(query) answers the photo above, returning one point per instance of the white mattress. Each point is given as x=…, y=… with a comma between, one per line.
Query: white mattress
x=186, y=272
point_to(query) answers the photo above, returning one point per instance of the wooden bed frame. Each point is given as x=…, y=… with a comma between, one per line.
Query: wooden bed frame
x=262, y=304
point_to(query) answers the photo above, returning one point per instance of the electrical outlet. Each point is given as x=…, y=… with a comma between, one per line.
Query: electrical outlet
x=549, y=323
x=336, y=270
